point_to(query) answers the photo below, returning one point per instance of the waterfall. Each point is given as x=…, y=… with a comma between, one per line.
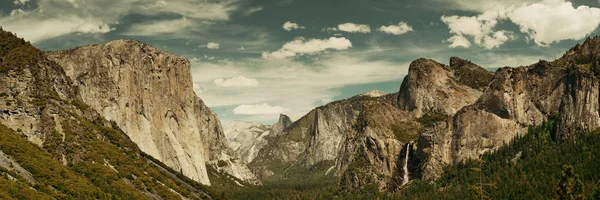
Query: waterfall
x=405, y=179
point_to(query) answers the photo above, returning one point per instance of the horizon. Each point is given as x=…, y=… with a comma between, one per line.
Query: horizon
x=252, y=60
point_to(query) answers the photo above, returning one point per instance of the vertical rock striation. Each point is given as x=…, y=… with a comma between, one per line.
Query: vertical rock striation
x=148, y=93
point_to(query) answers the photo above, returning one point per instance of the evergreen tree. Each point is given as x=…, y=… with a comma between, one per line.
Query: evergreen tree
x=570, y=187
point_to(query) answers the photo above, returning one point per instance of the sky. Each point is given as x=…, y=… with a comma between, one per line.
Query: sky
x=254, y=59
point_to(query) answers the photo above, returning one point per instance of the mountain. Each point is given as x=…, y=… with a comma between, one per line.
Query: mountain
x=248, y=138
x=442, y=115
x=565, y=90
x=52, y=145
x=148, y=94
x=322, y=144
x=434, y=88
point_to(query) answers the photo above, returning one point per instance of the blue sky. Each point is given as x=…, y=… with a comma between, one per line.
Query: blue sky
x=252, y=60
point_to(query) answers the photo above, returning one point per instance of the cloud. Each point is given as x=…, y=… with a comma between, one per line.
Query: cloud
x=288, y=26
x=351, y=28
x=555, y=20
x=211, y=45
x=291, y=83
x=195, y=59
x=481, y=28
x=258, y=109
x=44, y=19
x=399, y=29
x=478, y=5
x=459, y=41
x=539, y=21
x=253, y=10
x=312, y=46
x=238, y=81
x=241, y=48
x=158, y=27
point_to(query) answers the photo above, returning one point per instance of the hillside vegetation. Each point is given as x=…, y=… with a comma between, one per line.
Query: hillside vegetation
x=532, y=166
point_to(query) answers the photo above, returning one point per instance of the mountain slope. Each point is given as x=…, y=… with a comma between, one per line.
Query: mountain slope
x=248, y=138
x=363, y=140
x=148, y=93
x=517, y=98
x=58, y=146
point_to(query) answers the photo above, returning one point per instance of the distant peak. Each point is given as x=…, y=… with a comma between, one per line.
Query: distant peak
x=374, y=93
x=283, y=122
x=245, y=123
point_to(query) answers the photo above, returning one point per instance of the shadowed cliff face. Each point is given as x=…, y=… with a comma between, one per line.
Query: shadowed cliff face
x=148, y=93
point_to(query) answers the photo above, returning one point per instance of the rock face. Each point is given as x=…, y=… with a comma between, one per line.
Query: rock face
x=431, y=87
x=566, y=91
x=148, y=94
x=374, y=138
x=352, y=141
x=374, y=93
x=248, y=138
x=39, y=101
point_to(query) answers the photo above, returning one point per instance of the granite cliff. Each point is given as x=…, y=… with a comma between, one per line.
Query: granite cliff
x=565, y=90
x=148, y=94
x=248, y=138
x=442, y=115
x=62, y=147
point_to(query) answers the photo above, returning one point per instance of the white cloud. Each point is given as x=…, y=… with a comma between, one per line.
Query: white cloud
x=289, y=83
x=198, y=89
x=211, y=45
x=258, y=109
x=238, y=81
x=44, y=19
x=351, y=28
x=555, y=20
x=459, y=41
x=253, y=10
x=302, y=46
x=242, y=48
x=481, y=28
x=478, y=5
x=399, y=29
x=288, y=26
x=36, y=30
x=194, y=59
x=538, y=20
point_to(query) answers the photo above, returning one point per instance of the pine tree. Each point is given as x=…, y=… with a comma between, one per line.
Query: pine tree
x=570, y=186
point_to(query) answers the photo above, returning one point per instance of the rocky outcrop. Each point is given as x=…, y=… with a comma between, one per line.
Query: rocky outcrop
x=565, y=91
x=39, y=102
x=248, y=138
x=281, y=124
x=357, y=141
x=431, y=87
x=148, y=94
x=374, y=93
